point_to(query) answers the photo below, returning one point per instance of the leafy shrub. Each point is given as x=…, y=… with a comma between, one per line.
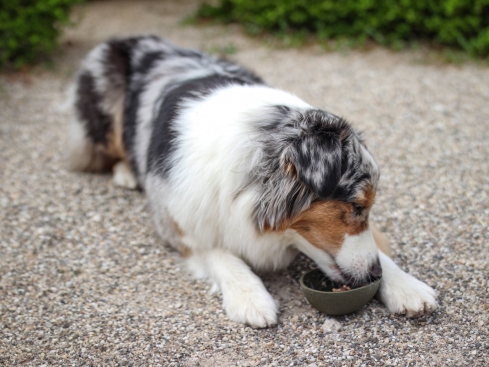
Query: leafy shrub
x=459, y=23
x=29, y=28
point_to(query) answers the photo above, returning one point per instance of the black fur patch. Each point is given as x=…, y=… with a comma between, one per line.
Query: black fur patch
x=117, y=65
x=163, y=135
x=148, y=60
x=317, y=151
x=98, y=124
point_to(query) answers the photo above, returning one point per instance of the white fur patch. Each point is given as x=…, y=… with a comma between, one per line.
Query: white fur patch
x=245, y=298
x=324, y=260
x=402, y=293
x=357, y=254
x=79, y=147
x=94, y=63
x=123, y=176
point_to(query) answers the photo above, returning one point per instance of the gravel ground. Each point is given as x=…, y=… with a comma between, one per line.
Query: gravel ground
x=85, y=281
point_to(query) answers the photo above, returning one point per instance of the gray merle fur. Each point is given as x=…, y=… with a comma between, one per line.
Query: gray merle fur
x=306, y=155
x=132, y=103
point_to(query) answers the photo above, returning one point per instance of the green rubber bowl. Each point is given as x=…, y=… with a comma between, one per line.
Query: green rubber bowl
x=318, y=289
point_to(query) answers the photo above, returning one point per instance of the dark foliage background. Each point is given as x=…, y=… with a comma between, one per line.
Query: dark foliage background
x=29, y=29
x=460, y=23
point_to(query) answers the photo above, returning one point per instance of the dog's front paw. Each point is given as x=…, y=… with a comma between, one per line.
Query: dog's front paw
x=254, y=307
x=407, y=295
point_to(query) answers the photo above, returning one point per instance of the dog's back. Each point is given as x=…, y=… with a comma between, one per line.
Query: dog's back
x=121, y=89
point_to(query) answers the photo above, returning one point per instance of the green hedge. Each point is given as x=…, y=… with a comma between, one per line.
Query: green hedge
x=459, y=23
x=29, y=29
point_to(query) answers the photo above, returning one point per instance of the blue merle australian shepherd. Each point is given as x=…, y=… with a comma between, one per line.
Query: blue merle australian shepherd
x=239, y=176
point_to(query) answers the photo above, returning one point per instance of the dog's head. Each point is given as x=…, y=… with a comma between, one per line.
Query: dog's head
x=318, y=180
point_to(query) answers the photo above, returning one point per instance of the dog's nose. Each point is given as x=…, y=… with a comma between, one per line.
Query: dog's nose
x=376, y=270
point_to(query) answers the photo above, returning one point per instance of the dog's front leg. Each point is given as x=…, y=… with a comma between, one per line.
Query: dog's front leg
x=245, y=298
x=402, y=293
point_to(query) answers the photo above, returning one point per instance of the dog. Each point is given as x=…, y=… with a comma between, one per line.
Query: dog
x=239, y=176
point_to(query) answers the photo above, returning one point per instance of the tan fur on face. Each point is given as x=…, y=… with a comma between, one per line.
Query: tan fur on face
x=366, y=198
x=380, y=239
x=326, y=223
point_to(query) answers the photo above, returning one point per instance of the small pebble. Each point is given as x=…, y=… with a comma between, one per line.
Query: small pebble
x=331, y=326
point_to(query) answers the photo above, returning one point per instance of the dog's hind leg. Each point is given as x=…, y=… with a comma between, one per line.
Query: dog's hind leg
x=123, y=175
x=83, y=154
x=98, y=97
x=245, y=298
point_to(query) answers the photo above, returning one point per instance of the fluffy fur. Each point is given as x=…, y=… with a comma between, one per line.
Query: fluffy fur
x=239, y=176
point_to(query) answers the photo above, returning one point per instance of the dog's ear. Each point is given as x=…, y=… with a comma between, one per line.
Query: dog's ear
x=315, y=156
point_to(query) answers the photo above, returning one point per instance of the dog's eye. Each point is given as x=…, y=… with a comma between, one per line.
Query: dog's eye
x=357, y=209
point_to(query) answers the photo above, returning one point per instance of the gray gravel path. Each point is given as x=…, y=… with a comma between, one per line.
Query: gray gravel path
x=85, y=281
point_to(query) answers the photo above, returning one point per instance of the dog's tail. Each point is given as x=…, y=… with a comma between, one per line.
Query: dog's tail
x=96, y=132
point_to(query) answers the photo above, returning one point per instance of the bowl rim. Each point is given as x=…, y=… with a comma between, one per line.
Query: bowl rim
x=301, y=281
